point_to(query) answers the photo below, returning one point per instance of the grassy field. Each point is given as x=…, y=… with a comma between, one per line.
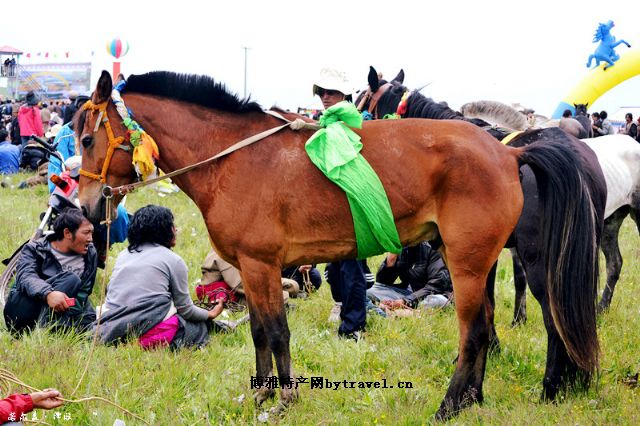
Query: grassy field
x=212, y=386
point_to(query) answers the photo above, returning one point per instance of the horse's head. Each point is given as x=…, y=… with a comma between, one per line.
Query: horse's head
x=106, y=153
x=581, y=109
x=381, y=97
x=602, y=32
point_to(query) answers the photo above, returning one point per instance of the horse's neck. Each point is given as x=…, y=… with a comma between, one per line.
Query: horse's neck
x=185, y=138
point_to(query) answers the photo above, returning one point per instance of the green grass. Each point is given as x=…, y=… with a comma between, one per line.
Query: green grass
x=203, y=386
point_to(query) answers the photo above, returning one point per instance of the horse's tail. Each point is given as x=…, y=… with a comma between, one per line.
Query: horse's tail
x=569, y=247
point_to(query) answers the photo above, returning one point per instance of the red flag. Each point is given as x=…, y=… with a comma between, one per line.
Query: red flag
x=66, y=54
x=46, y=55
x=28, y=55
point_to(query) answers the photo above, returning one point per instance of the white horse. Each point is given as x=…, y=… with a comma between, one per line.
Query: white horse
x=619, y=158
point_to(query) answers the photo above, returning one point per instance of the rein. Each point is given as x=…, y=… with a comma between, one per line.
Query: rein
x=114, y=143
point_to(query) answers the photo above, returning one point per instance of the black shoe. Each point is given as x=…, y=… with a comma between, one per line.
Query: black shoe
x=356, y=336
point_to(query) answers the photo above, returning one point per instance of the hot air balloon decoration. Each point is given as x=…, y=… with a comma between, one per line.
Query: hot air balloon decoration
x=117, y=48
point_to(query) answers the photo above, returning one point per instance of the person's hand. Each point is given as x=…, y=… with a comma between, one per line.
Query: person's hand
x=57, y=301
x=304, y=268
x=391, y=259
x=393, y=304
x=47, y=399
x=217, y=310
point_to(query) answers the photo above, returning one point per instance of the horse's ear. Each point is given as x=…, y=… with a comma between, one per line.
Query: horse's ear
x=575, y=106
x=103, y=89
x=374, y=83
x=586, y=105
x=400, y=77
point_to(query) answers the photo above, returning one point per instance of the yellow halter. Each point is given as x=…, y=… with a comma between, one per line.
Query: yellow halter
x=510, y=137
x=114, y=143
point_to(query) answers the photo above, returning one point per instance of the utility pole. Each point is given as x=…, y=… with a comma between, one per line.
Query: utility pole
x=245, y=70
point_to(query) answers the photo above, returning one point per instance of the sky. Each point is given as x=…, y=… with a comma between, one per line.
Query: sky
x=532, y=53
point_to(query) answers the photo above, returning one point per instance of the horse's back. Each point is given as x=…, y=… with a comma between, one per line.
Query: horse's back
x=619, y=158
x=455, y=169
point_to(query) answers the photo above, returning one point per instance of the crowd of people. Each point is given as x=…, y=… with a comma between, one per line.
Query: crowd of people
x=32, y=117
x=598, y=125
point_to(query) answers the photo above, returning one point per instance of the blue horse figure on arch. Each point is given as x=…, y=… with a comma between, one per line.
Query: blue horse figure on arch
x=605, y=50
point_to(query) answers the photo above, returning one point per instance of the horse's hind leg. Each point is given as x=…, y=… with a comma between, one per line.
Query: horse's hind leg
x=469, y=270
x=269, y=327
x=611, y=250
x=560, y=370
x=520, y=283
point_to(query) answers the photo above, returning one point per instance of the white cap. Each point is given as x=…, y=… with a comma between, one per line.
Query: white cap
x=53, y=131
x=332, y=79
x=73, y=162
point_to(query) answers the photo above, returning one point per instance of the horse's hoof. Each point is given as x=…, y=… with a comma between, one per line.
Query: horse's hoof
x=288, y=396
x=602, y=308
x=263, y=394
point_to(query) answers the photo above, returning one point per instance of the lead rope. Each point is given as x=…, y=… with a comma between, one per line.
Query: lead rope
x=103, y=293
x=297, y=124
x=306, y=280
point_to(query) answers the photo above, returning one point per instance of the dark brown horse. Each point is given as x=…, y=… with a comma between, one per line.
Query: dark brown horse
x=265, y=208
x=525, y=242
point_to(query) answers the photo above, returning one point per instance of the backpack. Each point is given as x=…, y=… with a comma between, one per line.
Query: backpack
x=32, y=156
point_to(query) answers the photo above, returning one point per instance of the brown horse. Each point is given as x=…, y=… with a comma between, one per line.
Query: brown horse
x=266, y=206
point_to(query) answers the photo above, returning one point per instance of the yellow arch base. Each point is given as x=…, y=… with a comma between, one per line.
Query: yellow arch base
x=599, y=81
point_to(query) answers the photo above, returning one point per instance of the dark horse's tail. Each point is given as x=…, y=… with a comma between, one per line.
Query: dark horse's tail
x=569, y=247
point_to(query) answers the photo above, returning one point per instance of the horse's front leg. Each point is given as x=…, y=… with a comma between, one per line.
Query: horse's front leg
x=618, y=43
x=269, y=328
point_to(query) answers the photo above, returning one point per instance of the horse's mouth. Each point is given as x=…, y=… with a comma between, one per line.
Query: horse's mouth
x=96, y=213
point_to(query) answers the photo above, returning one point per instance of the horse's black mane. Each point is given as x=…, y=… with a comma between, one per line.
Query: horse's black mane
x=419, y=106
x=197, y=89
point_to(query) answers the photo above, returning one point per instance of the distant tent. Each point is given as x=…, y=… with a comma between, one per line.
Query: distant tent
x=8, y=50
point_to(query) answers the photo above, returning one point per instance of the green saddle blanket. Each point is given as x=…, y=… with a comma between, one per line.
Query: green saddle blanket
x=335, y=150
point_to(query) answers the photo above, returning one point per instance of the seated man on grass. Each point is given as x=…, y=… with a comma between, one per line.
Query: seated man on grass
x=424, y=278
x=54, y=278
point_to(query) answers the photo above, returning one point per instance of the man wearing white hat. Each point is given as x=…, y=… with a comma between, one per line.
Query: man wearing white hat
x=346, y=277
x=332, y=87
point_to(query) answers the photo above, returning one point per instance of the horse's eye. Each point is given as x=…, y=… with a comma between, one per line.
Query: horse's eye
x=87, y=141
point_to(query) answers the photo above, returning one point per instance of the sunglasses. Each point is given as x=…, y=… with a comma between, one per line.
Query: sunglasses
x=322, y=92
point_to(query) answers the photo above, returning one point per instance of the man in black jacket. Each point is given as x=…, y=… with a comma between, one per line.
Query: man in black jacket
x=422, y=273
x=54, y=278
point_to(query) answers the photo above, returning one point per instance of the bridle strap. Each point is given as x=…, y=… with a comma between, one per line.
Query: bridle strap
x=114, y=142
x=375, y=97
